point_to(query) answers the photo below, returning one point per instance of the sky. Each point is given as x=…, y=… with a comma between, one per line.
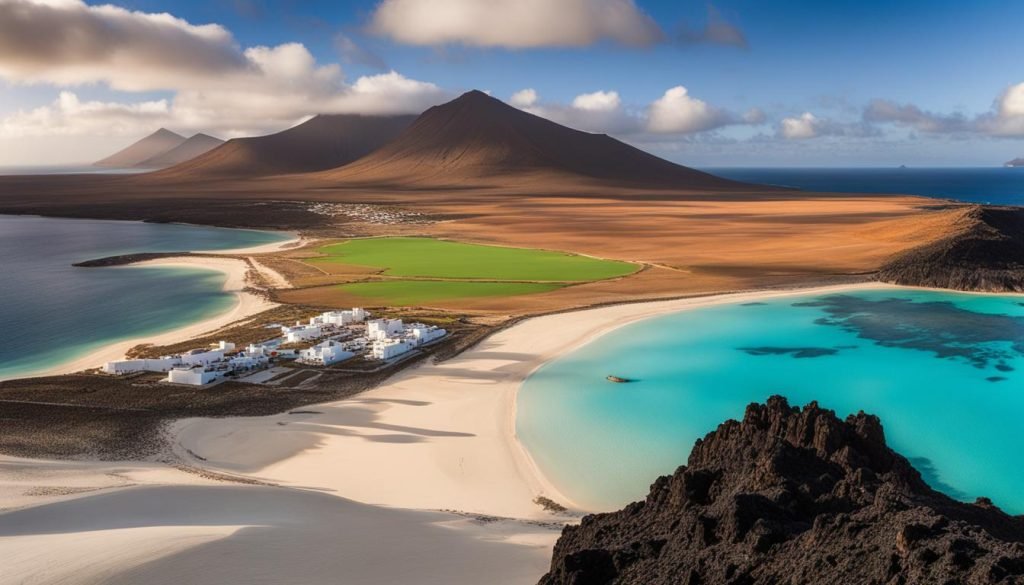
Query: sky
x=728, y=83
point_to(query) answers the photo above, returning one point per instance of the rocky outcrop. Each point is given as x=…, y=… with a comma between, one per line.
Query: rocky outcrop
x=791, y=496
x=1017, y=162
x=985, y=252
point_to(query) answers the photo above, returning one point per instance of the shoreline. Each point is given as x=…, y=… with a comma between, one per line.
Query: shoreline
x=447, y=428
x=246, y=305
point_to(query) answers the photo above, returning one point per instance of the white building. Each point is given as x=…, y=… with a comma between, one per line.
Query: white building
x=299, y=333
x=194, y=376
x=226, y=345
x=339, y=318
x=326, y=353
x=244, y=361
x=202, y=357
x=385, y=349
x=422, y=334
x=381, y=329
x=163, y=364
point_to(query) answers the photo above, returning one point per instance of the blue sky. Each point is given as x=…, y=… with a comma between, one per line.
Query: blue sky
x=819, y=64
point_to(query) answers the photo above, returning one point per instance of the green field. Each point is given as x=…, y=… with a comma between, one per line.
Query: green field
x=429, y=258
x=415, y=292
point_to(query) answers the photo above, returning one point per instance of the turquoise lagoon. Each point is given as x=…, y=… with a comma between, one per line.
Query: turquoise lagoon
x=944, y=371
x=52, y=312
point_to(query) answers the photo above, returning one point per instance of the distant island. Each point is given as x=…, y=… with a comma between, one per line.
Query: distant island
x=1017, y=162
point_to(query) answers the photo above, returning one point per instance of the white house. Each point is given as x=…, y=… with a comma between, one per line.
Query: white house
x=386, y=349
x=339, y=318
x=244, y=361
x=195, y=376
x=226, y=345
x=422, y=334
x=326, y=353
x=301, y=333
x=381, y=329
x=163, y=364
x=202, y=357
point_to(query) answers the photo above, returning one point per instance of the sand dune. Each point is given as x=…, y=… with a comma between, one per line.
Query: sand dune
x=322, y=142
x=157, y=143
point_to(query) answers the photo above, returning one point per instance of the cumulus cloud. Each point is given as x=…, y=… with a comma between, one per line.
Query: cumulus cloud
x=524, y=98
x=69, y=116
x=804, y=126
x=599, y=101
x=677, y=112
x=674, y=113
x=514, y=24
x=1006, y=118
x=216, y=85
x=911, y=116
x=68, y=42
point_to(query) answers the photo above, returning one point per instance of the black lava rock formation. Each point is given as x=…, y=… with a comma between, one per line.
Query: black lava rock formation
x=984, y=253
x=788, y=497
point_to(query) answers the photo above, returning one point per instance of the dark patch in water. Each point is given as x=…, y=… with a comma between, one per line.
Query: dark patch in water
x=930, y=475
x=758, y=304
x=996, y=378
x=797, y=352
x=939, y=327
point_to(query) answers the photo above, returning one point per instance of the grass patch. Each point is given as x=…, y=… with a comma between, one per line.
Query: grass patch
x=426, y=257
x=415, y=292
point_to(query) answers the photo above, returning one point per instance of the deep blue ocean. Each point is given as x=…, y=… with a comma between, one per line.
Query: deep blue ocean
x=52, y=312
x=995, y=185
x=942, y=370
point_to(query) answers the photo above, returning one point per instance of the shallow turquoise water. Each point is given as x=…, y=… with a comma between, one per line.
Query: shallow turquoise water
x=942, y=370
x=52, y=312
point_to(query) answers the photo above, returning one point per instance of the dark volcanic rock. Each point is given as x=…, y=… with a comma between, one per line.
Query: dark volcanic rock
x=791, y=496
x=986, y=253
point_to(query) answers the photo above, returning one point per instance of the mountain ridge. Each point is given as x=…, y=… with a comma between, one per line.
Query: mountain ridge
x=150, y=146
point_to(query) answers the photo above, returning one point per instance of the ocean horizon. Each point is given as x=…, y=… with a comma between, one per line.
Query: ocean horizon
x=989, y=185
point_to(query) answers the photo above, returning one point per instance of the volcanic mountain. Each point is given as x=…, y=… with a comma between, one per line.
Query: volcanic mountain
x=1017, y=162
x=793, y=496
x=154, y=145
x=188, y=150
x=322, y=142
x=477, y=140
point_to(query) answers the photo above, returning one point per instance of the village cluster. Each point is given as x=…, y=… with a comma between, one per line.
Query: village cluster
x=335, y=336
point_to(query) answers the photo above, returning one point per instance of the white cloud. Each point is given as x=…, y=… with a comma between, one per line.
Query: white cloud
x=599, y=101
x=524, y=98
x=514, y=23
x=805, y=126
x=1009, y=117
x=69, y=116
x=217, y=86
x=68, y=42
x=676, y=112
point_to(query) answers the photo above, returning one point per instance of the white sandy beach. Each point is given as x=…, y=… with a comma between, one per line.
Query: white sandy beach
x=447, y=429
x=358, y=486
x=247, y=305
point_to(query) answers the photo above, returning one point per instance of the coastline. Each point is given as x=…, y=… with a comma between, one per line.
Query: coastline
x=448, y=428
x=246, y=305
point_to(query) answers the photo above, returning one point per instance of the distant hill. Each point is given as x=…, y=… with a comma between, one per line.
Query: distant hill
x=157, y=143
x=188, y=150
x=322, y=142
x=479, y=140
x=1017, y=162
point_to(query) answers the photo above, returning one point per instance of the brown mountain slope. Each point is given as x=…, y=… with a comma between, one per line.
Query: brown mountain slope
x=157, y=143
x=188, y=150
x=322, y=142
x=476, y=140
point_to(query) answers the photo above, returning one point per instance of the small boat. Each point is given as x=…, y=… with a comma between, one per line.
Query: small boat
x=616, y=379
